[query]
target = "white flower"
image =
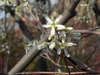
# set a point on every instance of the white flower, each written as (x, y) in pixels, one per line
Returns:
(53, 25)
(42, 46)
(30, 45)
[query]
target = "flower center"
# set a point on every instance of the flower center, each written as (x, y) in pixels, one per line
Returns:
(53, 24)
(63, 45)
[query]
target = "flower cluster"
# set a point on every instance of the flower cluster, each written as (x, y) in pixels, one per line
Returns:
(58, 41)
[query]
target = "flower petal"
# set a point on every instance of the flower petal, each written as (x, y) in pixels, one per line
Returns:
(50, 37)
(41, 46)
(47, 18)
(2, 2)
(52, 45)
(70, 44)
(66, 53)
(69, 28)
(46, 26)
(52, 31)
(82, 5)
(60, 27)
(59, 51)
(58, 18)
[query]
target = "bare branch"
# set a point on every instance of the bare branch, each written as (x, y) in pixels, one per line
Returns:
(86, 32)
(52, 73)
(46, 56)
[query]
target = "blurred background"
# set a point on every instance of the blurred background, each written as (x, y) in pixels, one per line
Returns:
(18, 28)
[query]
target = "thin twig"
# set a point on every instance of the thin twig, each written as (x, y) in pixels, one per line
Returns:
(9, 49)
(86, 54)
(86, 32)
(93, 64)
(52, 73)
(91, 30)
(5, 21)
(47, 57)
(37, 20)
(67, 66)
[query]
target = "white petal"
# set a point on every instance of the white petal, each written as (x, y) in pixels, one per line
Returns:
(63, 41)
(59, 51)
(52, 31)
(66, 53)
(41, 46)
(69, 28)
(50, 37)
(2, 2)
(52, 45)
(48, 19)
(70, 44)
(58, 18)
(82, 4)
(59, 27)
(46, 26)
